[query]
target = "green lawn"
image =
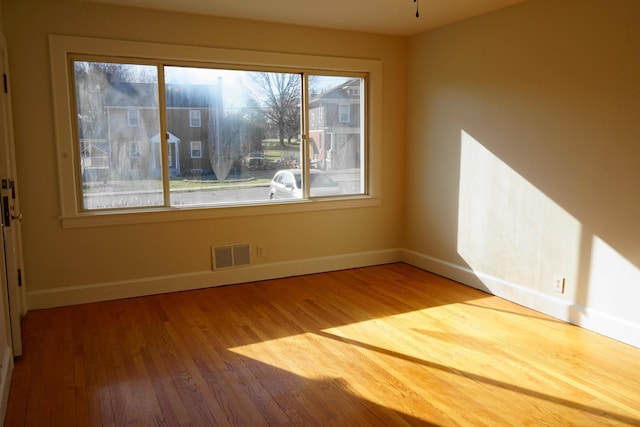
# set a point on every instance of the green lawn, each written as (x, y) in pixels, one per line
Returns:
(275, 154)
(175, 184)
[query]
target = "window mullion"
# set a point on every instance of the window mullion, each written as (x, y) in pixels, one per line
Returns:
(304, 130)
(164, 136)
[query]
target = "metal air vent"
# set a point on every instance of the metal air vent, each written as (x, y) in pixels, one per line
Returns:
(231, 256)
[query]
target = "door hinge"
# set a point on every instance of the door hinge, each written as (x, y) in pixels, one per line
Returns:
(19, 278)
(6, 85)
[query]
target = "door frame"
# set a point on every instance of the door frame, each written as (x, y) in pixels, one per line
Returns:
(13, 263)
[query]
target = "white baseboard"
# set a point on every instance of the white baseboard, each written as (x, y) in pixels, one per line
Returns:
(5, 380)
(64, 296)
(602, 323)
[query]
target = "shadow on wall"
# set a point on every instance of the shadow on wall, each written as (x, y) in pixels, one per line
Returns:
(510, 232)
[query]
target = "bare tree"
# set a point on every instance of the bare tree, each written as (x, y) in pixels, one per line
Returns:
(278, 96)
(257, 126)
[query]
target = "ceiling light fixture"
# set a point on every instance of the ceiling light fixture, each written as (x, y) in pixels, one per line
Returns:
(417, 7)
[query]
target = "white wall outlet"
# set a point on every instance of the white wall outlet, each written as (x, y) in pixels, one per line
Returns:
(558, 283)
(260, 251)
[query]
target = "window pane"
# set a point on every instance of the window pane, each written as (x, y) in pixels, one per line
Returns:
(194, 117)
(336, 134)
(196, 149)
(249, 129)
(117, 110)
(229, 133)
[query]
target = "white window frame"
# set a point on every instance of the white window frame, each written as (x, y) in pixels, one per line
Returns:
(346, 114)
(195, 118)
(133, 118)
(63, 47)
(197, 144)
(134, 149)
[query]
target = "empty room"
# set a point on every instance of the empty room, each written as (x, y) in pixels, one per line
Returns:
(320, 213)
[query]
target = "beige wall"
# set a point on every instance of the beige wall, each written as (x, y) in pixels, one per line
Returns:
(133, 255)
(523, 157)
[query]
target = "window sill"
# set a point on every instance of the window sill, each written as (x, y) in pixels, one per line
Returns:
(140, 216)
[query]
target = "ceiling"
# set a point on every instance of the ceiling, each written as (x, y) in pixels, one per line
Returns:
(393, 17)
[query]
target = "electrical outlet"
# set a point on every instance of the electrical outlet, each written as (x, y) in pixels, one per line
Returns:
(558, 283)
(260, 251)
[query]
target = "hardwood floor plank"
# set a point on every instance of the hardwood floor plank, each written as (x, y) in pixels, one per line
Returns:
(386, 345)
(221, 381)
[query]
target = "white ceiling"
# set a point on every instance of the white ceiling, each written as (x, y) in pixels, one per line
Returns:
(396, 17)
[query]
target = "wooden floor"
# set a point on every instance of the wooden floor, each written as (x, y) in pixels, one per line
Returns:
(387, 345)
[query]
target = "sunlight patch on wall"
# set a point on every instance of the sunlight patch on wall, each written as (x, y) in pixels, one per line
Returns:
(613, 281)
(509, 229)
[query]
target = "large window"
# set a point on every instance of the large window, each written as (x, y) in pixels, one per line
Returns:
(206, 134)
(249, 123)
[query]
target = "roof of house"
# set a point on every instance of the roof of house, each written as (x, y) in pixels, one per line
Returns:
(145, 95)
(132, 95)
(338, 92)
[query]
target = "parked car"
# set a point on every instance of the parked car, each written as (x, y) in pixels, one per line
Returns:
(287, 184)
(254, 161)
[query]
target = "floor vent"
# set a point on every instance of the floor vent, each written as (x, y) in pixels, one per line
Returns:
(231, 256)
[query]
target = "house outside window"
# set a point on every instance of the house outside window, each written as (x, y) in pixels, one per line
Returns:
(194, 119)
(196, 149)
(339, 131)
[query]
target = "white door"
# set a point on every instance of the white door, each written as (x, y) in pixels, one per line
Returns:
(11, 217)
